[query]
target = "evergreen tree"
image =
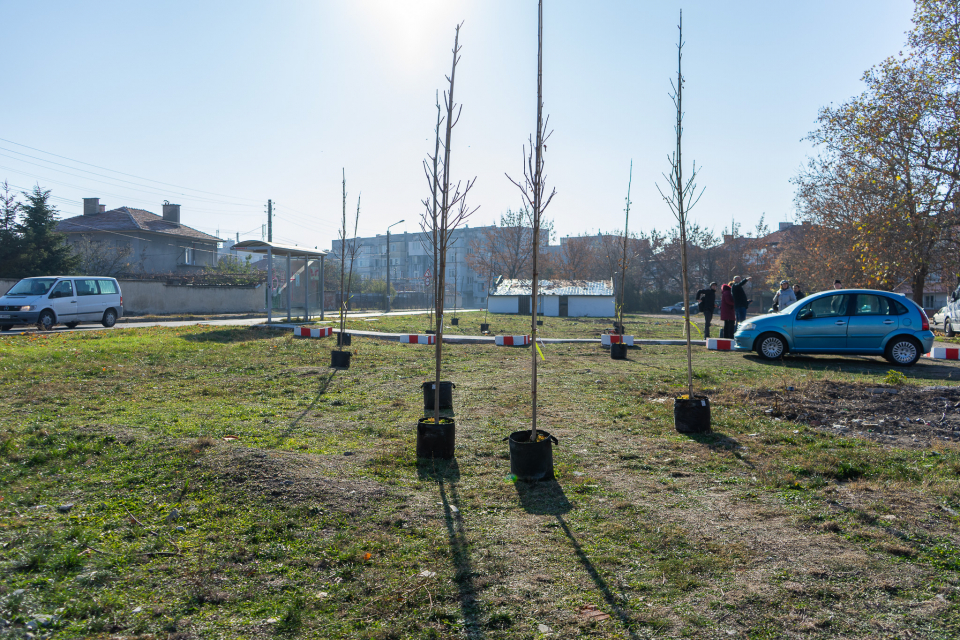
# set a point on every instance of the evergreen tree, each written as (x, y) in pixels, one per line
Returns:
(43, 251)
(9, 238)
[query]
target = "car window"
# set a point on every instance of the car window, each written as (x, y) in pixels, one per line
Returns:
(31, 287)
(871, 305)
(87, 288)
(826, 307)
(64, 289)
(108, 286)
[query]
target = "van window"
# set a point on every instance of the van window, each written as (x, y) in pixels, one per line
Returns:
(64, 289)
(87, 288)
(108, 286)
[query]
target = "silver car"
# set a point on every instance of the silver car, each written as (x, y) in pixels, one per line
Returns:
(846, 321)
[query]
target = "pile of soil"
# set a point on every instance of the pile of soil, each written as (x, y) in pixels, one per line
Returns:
(903, 416)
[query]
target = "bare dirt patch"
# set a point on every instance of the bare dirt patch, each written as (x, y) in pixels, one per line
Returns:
(904, 416)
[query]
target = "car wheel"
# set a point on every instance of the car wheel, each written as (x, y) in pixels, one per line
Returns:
(903, 351)
(71, 325)
(6, 327)
(771, 346)
(109, 318)
(45, 320)
(948, 328)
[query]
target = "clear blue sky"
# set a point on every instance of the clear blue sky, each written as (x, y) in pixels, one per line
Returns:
(257, 100)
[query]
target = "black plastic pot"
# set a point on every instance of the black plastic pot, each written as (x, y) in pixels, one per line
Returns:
(446, 394)
(692, 415)
(430, 332)
(484, 326)
(618, 327)
(539, 322)
(531, 461)
(340, 359)
(343, 339)
(618, 351)
(455, 321)
(436, 441)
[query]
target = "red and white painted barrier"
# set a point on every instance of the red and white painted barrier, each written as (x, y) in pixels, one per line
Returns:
(719, 344)
(307, 332)
(944, 353)
(614, 338)
(418, 339)
(513, 341)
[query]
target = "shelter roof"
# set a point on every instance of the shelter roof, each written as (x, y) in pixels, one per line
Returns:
(261, 246)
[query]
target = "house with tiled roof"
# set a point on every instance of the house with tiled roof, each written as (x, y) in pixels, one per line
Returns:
(573, 298)
(158, 243)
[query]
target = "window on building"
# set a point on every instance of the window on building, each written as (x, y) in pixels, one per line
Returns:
(189, 256)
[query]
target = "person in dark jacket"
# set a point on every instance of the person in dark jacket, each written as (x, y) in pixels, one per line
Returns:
(740, 302)
(798, 292)
(708, 302)
(727, 313)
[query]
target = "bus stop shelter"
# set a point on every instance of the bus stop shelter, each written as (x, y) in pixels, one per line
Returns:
(272, 249)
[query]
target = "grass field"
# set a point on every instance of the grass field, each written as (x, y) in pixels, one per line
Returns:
(225, 483)
(645, 326)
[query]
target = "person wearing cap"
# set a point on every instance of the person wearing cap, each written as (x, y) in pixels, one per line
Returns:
(784, 297)
(708, 302)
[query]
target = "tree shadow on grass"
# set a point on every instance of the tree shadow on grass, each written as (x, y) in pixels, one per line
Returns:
(446, 474)
(542, 498)
(717, 441)
(614, 601)
(324, 384)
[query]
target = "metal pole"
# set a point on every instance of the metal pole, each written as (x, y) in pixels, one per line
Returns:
(322, 291)
(306, 289)
(388, 270)
(269, 283)
(289, 301)
(269, 220)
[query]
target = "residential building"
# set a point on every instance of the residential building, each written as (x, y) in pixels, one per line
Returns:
(558, 298)
(158, 243)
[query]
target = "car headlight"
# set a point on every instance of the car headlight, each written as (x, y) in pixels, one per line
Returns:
(29, 307)
(748, 326)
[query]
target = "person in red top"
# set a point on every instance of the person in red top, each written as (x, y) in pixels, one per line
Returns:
(727, 311)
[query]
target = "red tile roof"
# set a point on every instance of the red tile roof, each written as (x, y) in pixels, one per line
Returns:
(127, 219)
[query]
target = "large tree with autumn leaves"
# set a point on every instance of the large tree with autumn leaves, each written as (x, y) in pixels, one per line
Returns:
(882, 193)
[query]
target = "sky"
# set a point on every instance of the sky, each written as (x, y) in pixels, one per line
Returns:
(221, 105)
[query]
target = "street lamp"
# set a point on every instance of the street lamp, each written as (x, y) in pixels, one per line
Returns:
(388, 263)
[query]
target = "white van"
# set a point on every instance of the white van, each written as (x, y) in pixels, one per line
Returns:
(67, 300)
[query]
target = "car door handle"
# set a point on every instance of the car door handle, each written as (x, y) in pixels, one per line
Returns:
(840, 322)
(73, 302)
(888, 322)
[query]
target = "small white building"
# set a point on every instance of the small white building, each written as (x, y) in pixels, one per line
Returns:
(558, 298)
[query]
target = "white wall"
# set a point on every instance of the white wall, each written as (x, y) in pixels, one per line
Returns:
(591, 306)
(504, 304)
(550, 305)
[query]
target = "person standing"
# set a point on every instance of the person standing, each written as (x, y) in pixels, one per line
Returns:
(784, 297)
(708, 302)
(798, 292)
(727, 313)
(740, 302)
(837, 284)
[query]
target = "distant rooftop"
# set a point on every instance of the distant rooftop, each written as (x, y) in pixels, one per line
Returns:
(555, 288)
(128, 219)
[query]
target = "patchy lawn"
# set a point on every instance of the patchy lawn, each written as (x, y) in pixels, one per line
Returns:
(206, 482)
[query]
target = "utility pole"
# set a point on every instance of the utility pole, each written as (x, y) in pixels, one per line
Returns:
(269, 220)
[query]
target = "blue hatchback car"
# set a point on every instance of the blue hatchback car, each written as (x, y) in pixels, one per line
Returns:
(845, 321)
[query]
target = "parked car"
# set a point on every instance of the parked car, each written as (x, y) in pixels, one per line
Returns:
(939, 319)
(67, 300)
(848, 321)
(674, 308)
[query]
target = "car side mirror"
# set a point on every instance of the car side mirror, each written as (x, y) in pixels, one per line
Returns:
(806, 314)
(55, 294)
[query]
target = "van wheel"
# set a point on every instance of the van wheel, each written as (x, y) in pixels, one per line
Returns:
(109, 318)
(6, 327)
(71, 325)
(948, 328)
(903, 351)
(45, 320)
